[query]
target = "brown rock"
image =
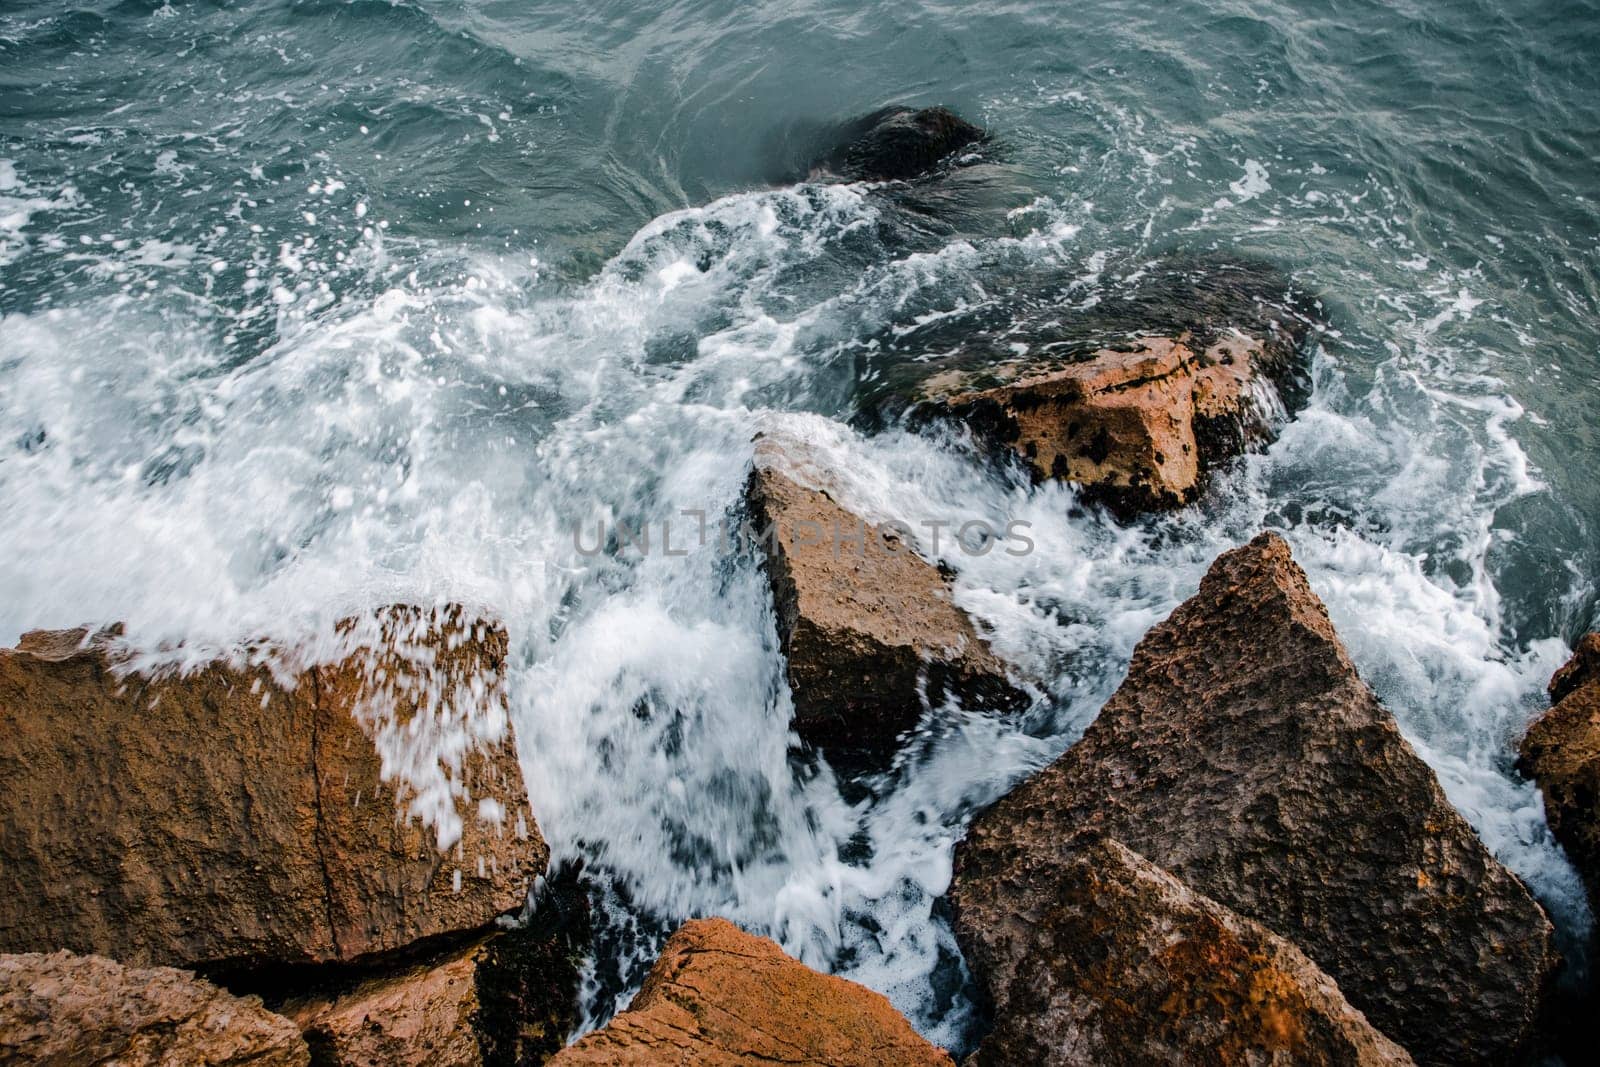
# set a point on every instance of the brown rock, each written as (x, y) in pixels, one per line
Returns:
(223, 819)
(867, 625)
(64, 1010)
(1244, 755)
(1581, 670)
(510, 998)
(421, 1015)
(1140, 426)
(1562, 753)
(719, 996)
(1108, 959)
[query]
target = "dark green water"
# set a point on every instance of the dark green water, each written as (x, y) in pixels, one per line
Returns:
(309, 306)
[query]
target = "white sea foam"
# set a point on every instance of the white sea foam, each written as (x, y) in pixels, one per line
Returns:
(19, 203)
(441, 429)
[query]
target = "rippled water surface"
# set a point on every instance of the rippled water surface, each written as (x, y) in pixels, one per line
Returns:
(309, 307)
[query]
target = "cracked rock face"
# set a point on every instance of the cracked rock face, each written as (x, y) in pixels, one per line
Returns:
(225, 820)
(1245, 756)
(719, 997)
(1108, 959)
(61, 1009)
(1562, 753)
(868, 626)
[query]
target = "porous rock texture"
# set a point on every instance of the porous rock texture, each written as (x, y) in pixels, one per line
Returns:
(1245, 756)
(718, 997)
(1107, 959)
(867, 625)
(1561, 752)
(1139, 390)
(65, 1010)
(898, 143)
(1139, 424)
(229, 818)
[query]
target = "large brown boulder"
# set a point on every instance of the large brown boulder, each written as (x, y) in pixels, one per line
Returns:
(1562, 753)
(1108, 959)
(226, 818)
(719, 997)
(867, 625)
(62, 1010)
(1244, 755)
(1140, 425)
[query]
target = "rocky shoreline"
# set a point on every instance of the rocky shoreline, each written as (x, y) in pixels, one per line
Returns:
(1242, 861)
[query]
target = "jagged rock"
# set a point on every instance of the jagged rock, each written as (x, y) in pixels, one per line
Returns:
(1244, 755)
(1138, 398)
(1139, 426)
(1583, 669)
(867, 625)
(63, 1010)
(511, 998)
(898, 143)
(1108, 959)
(719, 997)
(225, 820)
(1561, 752)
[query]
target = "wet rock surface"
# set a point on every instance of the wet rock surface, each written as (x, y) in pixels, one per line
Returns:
(1245, 756)
(719, 996)
(1139, 427)
(868, 627)
(63, 1009)
(1561, 752)
(897, 144)
(1138, 399)
(226, 820)
(1107, 959)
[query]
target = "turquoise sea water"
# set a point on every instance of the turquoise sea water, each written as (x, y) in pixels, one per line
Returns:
(306, 307)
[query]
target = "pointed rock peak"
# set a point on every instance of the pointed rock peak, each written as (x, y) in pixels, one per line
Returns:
(1581, 670)
(1245, 756)
(1262, 576)
(719, 995)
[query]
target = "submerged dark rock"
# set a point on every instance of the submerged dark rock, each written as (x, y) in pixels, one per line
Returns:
(897, 144)
(1561, 752)
(868, 628)
(1244, 755)
(1105, 958)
